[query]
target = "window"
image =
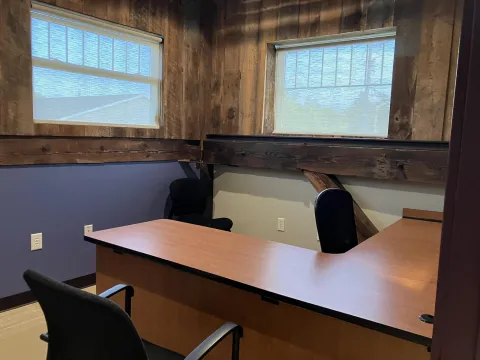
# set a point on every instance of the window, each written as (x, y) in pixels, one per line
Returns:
(337, 86)
(87, 71)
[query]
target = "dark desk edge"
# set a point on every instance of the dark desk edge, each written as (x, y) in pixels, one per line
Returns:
(402, 334)
(334, 141)
(423, 219)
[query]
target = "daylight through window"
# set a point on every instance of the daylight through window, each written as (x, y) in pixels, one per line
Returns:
(89, 71)
(340, 87)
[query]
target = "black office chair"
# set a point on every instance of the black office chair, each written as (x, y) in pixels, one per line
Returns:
(187, 202)
(83, 326)
(335, 221)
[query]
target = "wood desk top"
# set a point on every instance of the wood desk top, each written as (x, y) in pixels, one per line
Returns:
(385, 283)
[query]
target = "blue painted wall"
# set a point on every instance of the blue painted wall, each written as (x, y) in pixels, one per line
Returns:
(59, 200)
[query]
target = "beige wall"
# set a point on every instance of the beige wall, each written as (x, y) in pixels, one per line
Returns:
(254, 199)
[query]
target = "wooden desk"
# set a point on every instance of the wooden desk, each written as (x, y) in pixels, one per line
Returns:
(361, 305)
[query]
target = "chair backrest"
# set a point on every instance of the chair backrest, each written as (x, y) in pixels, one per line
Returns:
(335, 221)
(189, 196)
(84, 326)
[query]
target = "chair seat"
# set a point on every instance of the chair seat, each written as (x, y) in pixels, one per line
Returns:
(220, 223)
(155, 352)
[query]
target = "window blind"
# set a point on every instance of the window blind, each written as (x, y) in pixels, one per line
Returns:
(335, 88)
(89, 71)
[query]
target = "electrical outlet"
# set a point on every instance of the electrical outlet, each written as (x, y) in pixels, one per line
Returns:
(281, 224)
(36, 242)
(87, 229)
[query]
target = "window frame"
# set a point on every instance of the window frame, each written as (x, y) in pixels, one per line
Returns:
(272, 66)
(92, 24)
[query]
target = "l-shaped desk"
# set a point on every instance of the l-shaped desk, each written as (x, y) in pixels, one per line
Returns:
(293, 303)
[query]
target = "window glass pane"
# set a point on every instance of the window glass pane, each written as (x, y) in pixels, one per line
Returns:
(72, 97)
(344, 65)
(303, 63)
(58, 42)
(290, 70)
(388, 59)
(145, 61)
(342, 89)
(75, 46)
(375, 58)
(133, 52)
(92, 72)
(359, 63)
(329, 66)
(91, 49)
(316, 64)
(39, 38)
(120, 55)
(106, 52)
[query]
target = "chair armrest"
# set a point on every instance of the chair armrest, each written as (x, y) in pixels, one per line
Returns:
(129, 292)
(44, 337)
(209, 343)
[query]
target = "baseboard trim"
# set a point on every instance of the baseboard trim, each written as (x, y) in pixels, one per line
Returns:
(27, 297)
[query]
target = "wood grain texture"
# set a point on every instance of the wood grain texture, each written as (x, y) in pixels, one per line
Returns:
(218, 68)
(354, 15)
(378, 162)
(250, 66)
(423, 214)
(423, 61)
(178, 310)
(16, 109)
(433, 69)
(423, 64)
(365, 228)
(187, 66)
(401, 262)
(38, 150)
(269, 103)
(457, 28)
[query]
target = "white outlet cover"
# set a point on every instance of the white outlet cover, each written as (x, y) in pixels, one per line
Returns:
(88, 229)
(281, 224)
(36, 242)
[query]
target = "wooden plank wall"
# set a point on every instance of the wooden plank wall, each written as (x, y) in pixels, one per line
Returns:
(425, 61)
(187, 28)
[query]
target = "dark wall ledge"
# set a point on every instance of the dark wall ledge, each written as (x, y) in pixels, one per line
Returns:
(415, 161)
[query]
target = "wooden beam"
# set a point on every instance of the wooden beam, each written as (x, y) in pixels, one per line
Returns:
(365, 228)
(424, 162)
(53, 150)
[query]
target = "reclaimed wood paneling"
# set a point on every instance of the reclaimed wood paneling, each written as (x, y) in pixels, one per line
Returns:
(187, 65)
(424, 63)
(418, 162)
(365, 228)
(433, 69)
(16, 109)
(354, 15)
(408, 22)
(41, 150)
(447, 126)
(249, 66)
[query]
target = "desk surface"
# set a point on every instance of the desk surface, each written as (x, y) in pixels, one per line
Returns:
(385, 283)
